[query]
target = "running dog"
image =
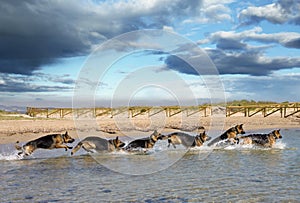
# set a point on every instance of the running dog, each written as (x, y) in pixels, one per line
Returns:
(146, 143)
(265, 140)
(230, 134)
(187, 140)
(99, 144)
(46, 142)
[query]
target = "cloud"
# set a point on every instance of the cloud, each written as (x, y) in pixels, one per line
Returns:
(245, 63)
(283, 11)
(23, 83)
(274, 87)
(234, 53)
(294, 43)
(250, 63)
(21, 87)
(36, 33)
(212, 12)
(237, 40)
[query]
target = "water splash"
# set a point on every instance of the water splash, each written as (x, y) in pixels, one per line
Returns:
(280, 145)
(11, 156)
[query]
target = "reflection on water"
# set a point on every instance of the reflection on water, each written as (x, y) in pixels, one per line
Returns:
(240, 174)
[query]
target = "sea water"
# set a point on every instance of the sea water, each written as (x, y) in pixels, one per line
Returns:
(237, 173)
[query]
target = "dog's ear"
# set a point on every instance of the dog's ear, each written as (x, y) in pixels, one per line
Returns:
(66, 133)
(117, 138)
(278, 130)
(241, 124)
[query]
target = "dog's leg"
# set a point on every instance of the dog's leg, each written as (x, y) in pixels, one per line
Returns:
(237, 140)
(63, 146)
(75, 149)
(87, 149)
(170, 142)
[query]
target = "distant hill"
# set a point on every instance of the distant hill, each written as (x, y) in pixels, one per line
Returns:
(17, 109)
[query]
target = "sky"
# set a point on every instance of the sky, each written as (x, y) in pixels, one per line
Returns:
(148, 52)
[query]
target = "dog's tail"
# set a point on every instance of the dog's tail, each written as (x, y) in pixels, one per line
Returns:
(75, 149)
(17, 146)
(214, 141)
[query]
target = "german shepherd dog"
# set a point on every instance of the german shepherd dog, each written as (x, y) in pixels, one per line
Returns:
(46, 142)
(230, 134)
(99, 144)
(187, 140)
(146, 143)
(265, 140)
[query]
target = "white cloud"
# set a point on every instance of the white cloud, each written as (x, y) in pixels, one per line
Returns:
(212, 11)
(278, 13)
(271, 88)
(2, 82)
(255, 34)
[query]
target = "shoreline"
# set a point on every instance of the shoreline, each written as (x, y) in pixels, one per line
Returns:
(24, 130)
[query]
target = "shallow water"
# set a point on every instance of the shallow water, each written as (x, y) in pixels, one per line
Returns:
(233, 174)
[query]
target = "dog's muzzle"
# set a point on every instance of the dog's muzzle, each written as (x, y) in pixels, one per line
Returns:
(70, 141)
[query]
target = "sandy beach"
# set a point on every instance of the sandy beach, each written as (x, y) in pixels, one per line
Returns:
(25, 129)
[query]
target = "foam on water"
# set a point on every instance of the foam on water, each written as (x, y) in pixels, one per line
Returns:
(10, 156)
(278, 145)
(202, 148)
(8, 153)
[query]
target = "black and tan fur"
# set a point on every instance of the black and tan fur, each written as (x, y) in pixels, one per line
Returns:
(230, 134)
(146, 143)
(265, 140)
(99, 144)
(52, 141)
(187, 140)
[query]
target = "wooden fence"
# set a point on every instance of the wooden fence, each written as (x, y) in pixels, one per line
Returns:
(131, 111)
(283, 110)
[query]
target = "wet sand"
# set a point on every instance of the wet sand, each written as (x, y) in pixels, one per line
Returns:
(29, 128)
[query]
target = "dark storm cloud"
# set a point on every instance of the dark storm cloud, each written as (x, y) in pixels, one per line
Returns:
(295, 43)
(34, 33)
(25, 83)
(253, 63)
(176, 63)
(250, 63)
(234, 53)
(27, 87)
(231, 44)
